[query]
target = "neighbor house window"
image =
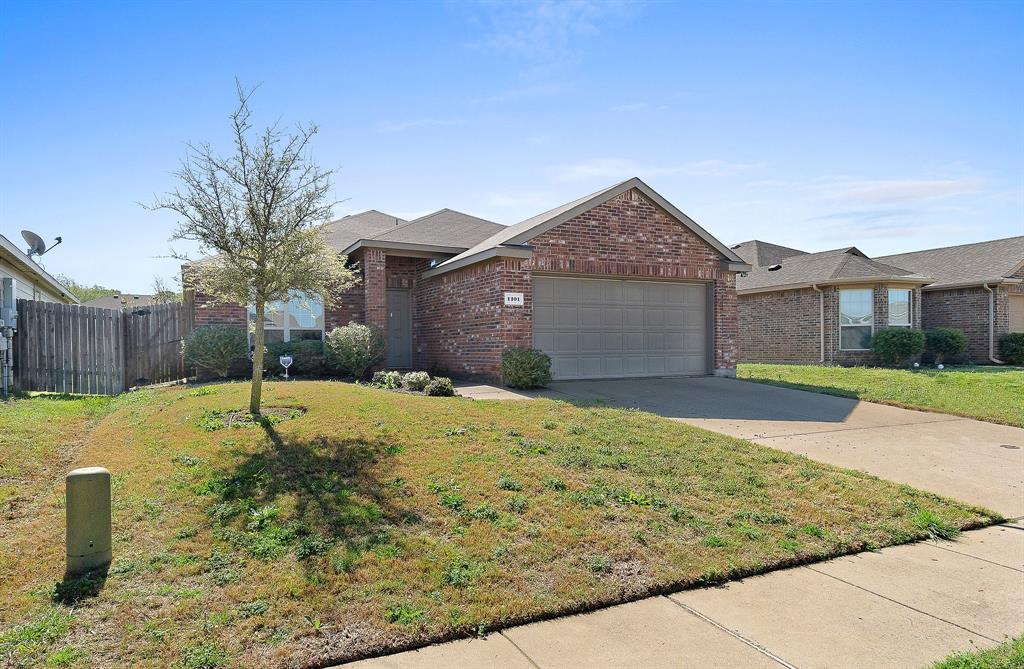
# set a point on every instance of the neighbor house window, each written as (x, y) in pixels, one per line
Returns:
(900, 306)
(301, 317)
(855, 322)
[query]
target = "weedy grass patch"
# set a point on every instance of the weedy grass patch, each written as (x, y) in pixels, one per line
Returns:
(994, 394)
(368, 523)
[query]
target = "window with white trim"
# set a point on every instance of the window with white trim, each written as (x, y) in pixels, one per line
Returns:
(301, 317)
(856, 324)
(901, 305)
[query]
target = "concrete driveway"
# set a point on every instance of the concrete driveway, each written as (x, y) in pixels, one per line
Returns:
(977, 462)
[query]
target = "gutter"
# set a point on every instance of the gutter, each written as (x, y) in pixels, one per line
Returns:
(992, 325)
(821, 320)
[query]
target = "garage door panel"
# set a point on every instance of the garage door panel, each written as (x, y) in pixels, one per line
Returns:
(609, 327)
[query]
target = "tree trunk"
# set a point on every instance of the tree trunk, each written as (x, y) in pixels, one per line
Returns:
(257, 360)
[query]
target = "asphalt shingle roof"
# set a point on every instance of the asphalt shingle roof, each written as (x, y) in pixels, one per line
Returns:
(349, 229)
(758, 253)
(967, 264)
(822, 268)
(446, 227)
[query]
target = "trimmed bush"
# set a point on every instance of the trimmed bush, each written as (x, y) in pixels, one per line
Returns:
(897, 346)
(215, 348)
(416, 381)
(1011, 348)
(387, 380)
(525, 368)
(440, 386)
(945, 343)
(355, 348)
(308, 357)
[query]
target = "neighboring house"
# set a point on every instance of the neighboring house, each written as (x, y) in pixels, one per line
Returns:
(798, 307)
(122, 301)
(619, 283)
(30, 281)
(978, 288)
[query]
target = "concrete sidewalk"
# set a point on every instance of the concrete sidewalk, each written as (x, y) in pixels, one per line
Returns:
(905, 606)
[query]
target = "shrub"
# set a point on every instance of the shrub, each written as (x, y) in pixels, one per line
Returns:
(308, 357)
(387, 380)
(895, 346)
(416, 380)
(525, 368)
(355, 348)
(440, 386)
(945, 343)
(1011, 348)
(215, 348)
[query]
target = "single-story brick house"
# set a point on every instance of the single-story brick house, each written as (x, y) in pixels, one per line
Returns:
(619, 283)
(977, 288)
(801, 307)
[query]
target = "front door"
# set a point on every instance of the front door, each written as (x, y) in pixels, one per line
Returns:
(399, 343)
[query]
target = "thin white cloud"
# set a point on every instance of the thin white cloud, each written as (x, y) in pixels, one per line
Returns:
(624, 168)
(544, 30)
(882, 192)
(416, 124)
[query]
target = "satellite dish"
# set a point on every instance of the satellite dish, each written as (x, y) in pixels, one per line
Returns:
(36, 245)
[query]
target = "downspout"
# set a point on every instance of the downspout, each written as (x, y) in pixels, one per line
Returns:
(821, 320)
(992, 325)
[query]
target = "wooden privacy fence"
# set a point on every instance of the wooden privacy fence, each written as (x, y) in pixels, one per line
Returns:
(71, 349)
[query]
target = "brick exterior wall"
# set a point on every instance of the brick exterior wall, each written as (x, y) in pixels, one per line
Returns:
(780, 327)
(459, 324)
(967, 309)
(784, 326)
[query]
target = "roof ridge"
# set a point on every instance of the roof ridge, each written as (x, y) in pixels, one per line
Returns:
(955, 246)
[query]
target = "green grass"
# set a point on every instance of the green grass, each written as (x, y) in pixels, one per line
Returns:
(1009, 655)
(994, 394)
(372, 521)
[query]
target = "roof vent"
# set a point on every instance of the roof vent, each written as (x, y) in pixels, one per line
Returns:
(774, 268)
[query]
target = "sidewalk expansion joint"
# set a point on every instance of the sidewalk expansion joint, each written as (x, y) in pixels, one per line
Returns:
(521, 651)
(907, 606)
(997, 564)
(734, 634)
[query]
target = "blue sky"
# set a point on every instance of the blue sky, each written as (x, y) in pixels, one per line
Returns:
(889, 126)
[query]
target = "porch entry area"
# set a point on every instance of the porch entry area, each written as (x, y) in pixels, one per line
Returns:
(398, 353)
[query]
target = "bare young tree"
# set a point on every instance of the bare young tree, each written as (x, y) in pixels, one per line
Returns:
(259, 215)
(163, 293)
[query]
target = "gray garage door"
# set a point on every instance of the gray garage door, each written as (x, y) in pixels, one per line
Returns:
(603, 328)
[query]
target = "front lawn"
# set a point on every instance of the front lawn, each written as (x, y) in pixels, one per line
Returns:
(361, 521)
(994, 394)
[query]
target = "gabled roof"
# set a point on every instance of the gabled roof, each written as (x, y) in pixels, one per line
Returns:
(758, 253)
(15, 256)
(846, 265)
(348, 229)
(966, 264)
(519, 234)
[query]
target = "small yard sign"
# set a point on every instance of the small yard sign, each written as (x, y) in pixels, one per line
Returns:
(514, 300)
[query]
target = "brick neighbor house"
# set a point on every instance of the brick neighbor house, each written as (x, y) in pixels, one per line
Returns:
(801, 307)
(619, 283)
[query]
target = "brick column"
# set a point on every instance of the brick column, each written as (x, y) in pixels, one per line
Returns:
(726, 324)
(375, 287)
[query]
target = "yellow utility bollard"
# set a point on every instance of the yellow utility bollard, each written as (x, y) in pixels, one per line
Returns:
(88, 520)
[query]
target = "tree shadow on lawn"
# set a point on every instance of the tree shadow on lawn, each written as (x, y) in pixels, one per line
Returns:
(336, 495)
